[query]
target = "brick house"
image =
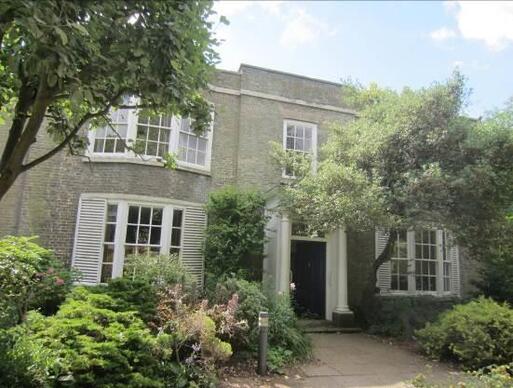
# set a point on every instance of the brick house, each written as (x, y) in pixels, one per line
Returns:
(93, 211)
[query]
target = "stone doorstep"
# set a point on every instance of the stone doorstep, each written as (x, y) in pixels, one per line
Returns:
(311, 326)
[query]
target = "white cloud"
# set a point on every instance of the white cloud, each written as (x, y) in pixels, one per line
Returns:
(230, 8)
(303, 28)
(488, 21)
(442, 34)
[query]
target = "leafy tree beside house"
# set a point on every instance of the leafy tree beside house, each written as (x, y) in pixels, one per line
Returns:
(65, 64)
(410, 159)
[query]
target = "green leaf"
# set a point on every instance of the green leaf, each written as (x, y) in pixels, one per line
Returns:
(62, 35)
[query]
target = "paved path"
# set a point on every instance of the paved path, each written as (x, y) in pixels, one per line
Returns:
(359, 360)
(355, 360)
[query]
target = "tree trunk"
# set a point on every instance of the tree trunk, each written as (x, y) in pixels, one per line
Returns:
(370, 290)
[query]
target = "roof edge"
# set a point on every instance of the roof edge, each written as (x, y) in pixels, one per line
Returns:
(242, 65)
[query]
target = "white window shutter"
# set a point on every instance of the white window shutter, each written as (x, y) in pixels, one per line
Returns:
(454, 257)
(384, 275)
(195, 222)
(88, 244)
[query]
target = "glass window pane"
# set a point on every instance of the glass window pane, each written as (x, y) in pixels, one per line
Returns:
(155, 120)
(202, 145)
(163, 150)
(299, 131)
(201, 158)
(109, 145)
(164, 136)
(130, 250)
(182, 141)
(290, 130)
(141, 132)
(308, 133)
(403, 266)
(418, 283)
(290, 143)
(112, 211)
(425, 251)
(432, 284)
(153, 134)
(133, 215)
(166, 121)
(177, 218)
(145, 215)
(185, 125)
(432, 268)
(131, 233)
(157, 216)
(108, 253)
(155, 235)
(122, 130)
(193, 142)
(106, 273)
(174, 251)
(395, 284)
(299, 145)
(110, 231)
(98, 145)
(403, 283)
(151, 149)
(175, 237)
(418, 251)
(143, 237)
(120, 147)
(191, 157)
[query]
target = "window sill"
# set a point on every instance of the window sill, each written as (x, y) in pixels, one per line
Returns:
(150, 162)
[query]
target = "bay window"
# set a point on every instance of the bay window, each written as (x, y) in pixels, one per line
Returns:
(421, 262)
(149, 138)
(143, 229)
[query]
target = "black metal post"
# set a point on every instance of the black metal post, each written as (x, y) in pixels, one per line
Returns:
(263, 326)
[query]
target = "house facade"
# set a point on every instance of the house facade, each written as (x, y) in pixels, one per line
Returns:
(94, 211)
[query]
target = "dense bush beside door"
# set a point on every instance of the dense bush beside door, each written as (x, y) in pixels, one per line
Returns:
(287, 343)
(30, 278)
(235, 233)
(476, 334)
(400, 316)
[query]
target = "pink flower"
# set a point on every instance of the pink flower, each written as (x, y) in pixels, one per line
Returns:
(59, 281)
(50, 270)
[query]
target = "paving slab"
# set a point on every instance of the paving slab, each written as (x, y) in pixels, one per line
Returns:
(357, 361)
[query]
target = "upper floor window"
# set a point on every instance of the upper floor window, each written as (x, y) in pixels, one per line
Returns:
(299, 137)
(133, 134)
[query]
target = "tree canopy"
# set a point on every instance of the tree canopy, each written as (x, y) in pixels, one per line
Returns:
(411, 159)
(66, 63)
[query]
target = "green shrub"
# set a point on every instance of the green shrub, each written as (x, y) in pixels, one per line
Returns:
(476, 334)
(400, 316)
(30, 278)
(284, 331)
(251, 302)
(88, 343)
(235, 236)
(286, 341)
(159, 270)
(491, 377)
(131, 295)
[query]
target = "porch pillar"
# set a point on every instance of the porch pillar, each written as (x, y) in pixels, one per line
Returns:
(284, 259)
(342, 315)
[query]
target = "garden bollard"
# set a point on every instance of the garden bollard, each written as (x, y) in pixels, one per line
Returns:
(263, 326)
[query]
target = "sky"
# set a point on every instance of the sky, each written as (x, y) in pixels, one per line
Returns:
(394, 44)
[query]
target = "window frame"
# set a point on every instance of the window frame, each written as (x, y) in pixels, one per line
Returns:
(131, 138)
(442, 253)
(313, 153)
(121, 231)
